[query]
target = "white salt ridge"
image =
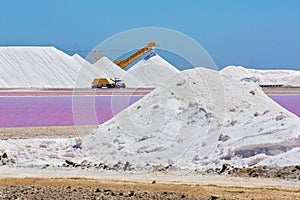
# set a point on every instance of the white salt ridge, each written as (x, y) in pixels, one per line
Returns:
(262, 77)
(40, 67)
(111, 70)
(199, 120)
(153, 72)
(86, 65)
(108, 67)
(294, 82)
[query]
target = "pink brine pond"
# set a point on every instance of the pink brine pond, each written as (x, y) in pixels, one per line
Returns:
(28, 111)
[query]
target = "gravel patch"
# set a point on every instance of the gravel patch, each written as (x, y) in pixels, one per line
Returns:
(35, 192)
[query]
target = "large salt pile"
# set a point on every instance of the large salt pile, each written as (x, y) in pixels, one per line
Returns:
(40, 67)
(153, 70)
(262, 77)
(189, 124)
(114, 71)
(198, 120)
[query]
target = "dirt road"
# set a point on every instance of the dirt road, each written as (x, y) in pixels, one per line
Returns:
(91, 184)
(67, 188)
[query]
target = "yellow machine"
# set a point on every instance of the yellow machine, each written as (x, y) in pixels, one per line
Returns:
(140, 53)
(108, 83)
(117, 83)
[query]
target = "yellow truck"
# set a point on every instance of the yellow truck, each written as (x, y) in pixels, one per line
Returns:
(108, 83)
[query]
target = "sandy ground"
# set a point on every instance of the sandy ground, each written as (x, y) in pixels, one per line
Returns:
(164, 186)
(181, 191)
(45, 132)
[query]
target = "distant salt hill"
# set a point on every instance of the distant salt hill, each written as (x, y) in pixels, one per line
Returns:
(294, 82)
(262, 77)
(42, 67)
(86, 65)
(109, 68)
(152, 71)
(48, 67)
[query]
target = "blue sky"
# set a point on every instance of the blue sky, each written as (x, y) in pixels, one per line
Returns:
(254, 33)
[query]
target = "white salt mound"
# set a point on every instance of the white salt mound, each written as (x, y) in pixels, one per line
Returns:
(200, 120)
(294, 82)
(154, 71)
(88, 66)
(262, 77)
(40, 67)
(111, 70)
